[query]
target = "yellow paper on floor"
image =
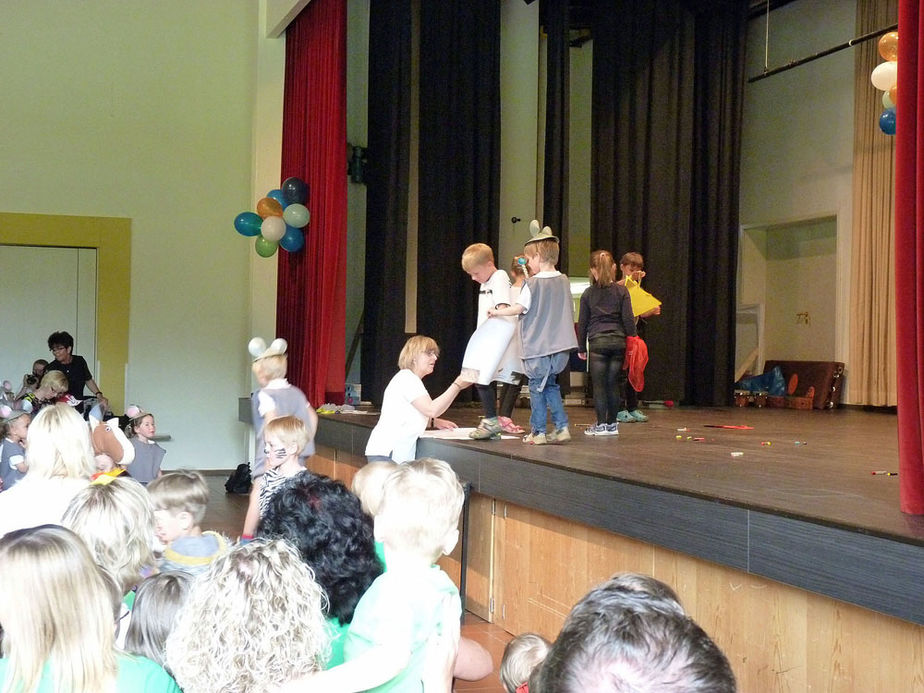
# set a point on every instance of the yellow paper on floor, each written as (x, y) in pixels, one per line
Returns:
(642, 301)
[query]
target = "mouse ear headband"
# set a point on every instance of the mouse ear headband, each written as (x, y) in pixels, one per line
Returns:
(540, 234)
(258, 349)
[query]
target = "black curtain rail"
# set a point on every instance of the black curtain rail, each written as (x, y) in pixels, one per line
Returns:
(834, 49)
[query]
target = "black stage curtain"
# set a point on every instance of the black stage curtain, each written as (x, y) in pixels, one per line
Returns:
(387, 192)
(667, 91)
(555, 19)
(713, 262)
(459, 155)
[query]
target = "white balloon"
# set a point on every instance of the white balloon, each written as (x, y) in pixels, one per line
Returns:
(885, 75)
(273, 228)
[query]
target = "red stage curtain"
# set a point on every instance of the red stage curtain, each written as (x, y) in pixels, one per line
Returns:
(909, 258)
(311, 291)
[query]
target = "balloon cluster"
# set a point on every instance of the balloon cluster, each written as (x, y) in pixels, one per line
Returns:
(885, 79)
(279, 219)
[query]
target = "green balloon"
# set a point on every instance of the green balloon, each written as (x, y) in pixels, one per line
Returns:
(265, 248)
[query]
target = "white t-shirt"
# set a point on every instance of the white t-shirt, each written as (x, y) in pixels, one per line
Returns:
(494, 292)
(400, 423)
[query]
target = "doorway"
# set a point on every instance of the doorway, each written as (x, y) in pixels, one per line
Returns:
(787, 288)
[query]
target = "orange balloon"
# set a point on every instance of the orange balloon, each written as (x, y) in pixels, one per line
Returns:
(888, 46)
(268, 207)
(893, 94)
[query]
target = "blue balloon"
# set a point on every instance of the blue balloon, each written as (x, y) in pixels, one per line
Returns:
(293, 240)
(248, 223)
(277, 195)
(887, 121)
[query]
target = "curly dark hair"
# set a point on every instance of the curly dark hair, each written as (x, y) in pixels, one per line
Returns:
(326, 523)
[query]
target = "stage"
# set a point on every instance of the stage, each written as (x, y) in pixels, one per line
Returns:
(799, 504)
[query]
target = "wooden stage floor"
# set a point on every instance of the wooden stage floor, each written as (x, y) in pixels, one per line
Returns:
(813, 465)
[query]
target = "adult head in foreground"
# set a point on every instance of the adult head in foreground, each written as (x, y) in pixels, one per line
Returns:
(624, 639)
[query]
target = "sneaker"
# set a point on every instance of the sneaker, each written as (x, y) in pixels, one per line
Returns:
(595, 430)
(638, 416)
(490, 429)
(535, 439)
(612, 429)
(625, 417)
(509, 426)
(562, 435)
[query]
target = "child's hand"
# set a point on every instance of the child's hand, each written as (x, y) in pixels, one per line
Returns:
(582, 355)
(444, 424)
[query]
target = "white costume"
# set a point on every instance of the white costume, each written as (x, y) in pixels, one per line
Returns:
(487, 345)
(401, 423)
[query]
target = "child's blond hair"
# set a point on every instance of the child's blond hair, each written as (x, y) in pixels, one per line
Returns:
(115, 519)
(290, 430)
(369, 484)
(547, 249)
(271, 367)
(476, 255)
(602, 262)
(521, 655)
(181, 491)
(421, 503)
(517, 269)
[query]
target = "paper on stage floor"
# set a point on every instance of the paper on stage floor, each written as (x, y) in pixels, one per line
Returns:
(487, 346)
(454, 434)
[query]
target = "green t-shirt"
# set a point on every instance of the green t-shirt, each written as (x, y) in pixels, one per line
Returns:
(403, 607)
(337, 632)
(135, 675)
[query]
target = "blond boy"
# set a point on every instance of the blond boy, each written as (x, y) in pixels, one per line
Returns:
(414, 601)
(493, 292)
(180, 499)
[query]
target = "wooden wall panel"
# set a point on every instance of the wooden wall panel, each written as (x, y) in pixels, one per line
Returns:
(777, 637)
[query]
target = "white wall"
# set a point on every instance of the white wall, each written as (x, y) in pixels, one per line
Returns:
(797, 140)
(146, 110)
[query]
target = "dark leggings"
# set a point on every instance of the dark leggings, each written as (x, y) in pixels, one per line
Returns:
(488, 395)
(508, 396)
(604, 360)
(631, 397)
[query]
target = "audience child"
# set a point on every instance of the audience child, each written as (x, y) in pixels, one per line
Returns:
(473, 662)
(52, 386)
(285, 438)
(631, 634)
(418, 519)
(482, 360)
(632, 264)
(605, 320)
(369, 484)
(56, 611)
(60, 462)
(546, 328)
(158, 600)
(14, 426)
(115, 519)
(510, 373)
(407, 408)
(521, 656)
(326, 524)
(180, 500)
(252, 622)
(31, 380)
(148, 455)
(275, 397)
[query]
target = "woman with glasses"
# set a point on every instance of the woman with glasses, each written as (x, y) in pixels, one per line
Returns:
(406, 406)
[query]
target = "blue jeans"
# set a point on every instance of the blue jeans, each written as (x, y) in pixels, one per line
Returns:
(544, 393)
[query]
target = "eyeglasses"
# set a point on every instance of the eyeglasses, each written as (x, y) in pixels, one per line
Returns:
(56, 349)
